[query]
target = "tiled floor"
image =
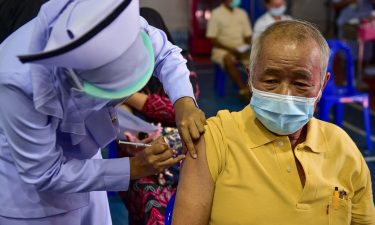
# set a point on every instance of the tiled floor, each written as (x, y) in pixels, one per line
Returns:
(210, 104)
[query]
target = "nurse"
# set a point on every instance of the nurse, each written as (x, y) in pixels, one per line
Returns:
(61, 76)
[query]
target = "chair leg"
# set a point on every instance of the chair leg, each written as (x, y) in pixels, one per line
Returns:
(367, 120)
(339, 117)
(220, 81)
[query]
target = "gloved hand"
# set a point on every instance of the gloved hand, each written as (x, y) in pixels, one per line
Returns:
(153, 159)
(190, 122)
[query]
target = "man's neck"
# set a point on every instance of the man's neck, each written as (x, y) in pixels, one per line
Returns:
(298, 137)
(228, 7)
(276, 18)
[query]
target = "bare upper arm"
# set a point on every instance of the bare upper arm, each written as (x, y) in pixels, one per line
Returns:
(195, 190)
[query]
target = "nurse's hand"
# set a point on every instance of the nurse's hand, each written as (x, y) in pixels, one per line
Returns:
(153, 159)
(190, 122)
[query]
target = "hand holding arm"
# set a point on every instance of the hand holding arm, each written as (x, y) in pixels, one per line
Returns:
(190, 121)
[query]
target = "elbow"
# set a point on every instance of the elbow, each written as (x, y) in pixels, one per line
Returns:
(41, 184)
(41, 181)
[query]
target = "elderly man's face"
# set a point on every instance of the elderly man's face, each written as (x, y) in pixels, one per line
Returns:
(289, 68)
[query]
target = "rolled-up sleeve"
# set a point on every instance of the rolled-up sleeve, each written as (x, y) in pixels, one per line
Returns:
(31, 140)
(170, 66)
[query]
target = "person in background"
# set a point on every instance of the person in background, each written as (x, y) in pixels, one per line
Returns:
(351, 9)
(275, 12)
(350, 14)
(229, 29)
(272, 162)
(61, 78)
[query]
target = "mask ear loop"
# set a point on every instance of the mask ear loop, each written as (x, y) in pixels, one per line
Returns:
(76, 82)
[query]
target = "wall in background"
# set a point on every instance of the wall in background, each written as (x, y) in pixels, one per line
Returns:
(176, 14)
(313, 11)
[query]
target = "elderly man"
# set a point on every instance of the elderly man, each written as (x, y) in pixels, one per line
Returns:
(229, 30)
(272, 163)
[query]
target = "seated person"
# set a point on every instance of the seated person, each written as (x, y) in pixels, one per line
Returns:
(272, 163)
(230, 32)
(350, 12)
(275, 12)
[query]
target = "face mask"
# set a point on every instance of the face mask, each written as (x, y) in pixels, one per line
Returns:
(235, 3)
(278, 11)
(282, 114)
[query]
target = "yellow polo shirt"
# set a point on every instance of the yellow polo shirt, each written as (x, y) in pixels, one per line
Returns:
(257, 182)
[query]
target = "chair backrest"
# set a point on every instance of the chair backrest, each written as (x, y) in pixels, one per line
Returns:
(169, 211)
(338, 46)
(154, 18)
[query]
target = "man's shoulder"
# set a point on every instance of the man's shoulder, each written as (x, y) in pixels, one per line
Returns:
(217, 12)
(327, 127)
(225, 119)
(334, 136)
(264, 19)
(241, 11)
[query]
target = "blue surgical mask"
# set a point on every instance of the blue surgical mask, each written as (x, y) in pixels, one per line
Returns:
(279, 11)
(282, 114)
(235, 3)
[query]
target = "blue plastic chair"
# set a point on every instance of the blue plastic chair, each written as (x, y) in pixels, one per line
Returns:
(337, 96)
(169, 211)
(220, 77)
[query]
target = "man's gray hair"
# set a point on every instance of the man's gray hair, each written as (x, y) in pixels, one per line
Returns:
(295, 31)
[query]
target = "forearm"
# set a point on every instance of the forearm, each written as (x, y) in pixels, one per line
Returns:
(84, 175)
(137, 100)
(216, 43)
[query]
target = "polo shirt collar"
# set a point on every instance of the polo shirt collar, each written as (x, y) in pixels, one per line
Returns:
(222, 5)
(316, 140)
(258, 135)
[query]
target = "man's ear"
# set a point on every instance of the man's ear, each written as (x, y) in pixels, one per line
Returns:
(326, 79)
(248, 72)
(248, 79)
